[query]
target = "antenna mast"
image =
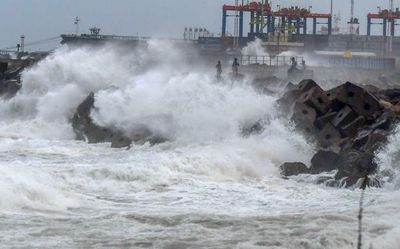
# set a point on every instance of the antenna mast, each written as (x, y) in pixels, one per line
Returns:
(236, 27)
(353, 20)
(391, 23)
(352, 17)
(77, 20)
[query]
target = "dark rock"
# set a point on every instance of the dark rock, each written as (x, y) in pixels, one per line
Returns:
(324, 120)
(384, 121)
(288, 99)
(10, 75)
(86, 129)
(294, 168)
(351, 129)
(376, 140)
(371, 89)
(8, 88)
(362, 138)
(361, 101)
(392, 93)
(329, 137)
(336, 105)
(304, 117)
(3, 67)
(306, 85)
(140, 134)
(347, 122)
(81, 118)
(324, 161)
(355, 165)
(344, 117)
(120, 141)
(290, 86)
(317, 99)
(293, 93)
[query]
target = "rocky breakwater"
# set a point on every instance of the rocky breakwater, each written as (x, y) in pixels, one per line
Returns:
(348, 124)
(10, 79)
(10, 73)
(86, 129)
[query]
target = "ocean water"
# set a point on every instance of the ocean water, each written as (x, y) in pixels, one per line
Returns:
(208, 187)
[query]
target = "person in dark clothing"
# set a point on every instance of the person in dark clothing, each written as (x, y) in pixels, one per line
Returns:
(235, 66)
(303, 64)
(293, 67)
(219, 69)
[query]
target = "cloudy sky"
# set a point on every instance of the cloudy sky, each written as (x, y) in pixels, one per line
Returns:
(41, 19)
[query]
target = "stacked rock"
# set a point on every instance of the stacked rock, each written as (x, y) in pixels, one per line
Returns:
(348, 124)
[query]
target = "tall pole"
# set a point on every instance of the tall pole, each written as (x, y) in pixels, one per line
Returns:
(352, 17)
(280, 29)
(331, 7)
(391, 25)
(262, 17)
(236, 26)
(77, 20)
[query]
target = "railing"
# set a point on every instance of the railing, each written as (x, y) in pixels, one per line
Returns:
(268, 60)
(271, 61)
(122, 38)
(6, 52)
(374, 63)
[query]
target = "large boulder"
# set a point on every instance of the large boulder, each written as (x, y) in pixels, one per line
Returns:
(361, 101)
(86, 129)
(355, 165)
(8, 88)
(324, 160)
(293, 168)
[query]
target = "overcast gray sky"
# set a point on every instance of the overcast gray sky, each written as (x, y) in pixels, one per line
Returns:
(39, 19)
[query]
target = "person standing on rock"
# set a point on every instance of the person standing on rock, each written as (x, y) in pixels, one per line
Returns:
(293, 68)
(219, 69)
(235, 67)
(303, 64)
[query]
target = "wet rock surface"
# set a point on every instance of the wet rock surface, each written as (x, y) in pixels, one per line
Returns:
(349, 124)
(10, 74)
(86, 129)
(10, 79)
(294, 168)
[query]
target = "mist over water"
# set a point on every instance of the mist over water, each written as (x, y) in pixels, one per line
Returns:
(208, 186)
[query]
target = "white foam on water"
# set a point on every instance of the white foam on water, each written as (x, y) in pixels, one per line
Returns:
(255, 47)
(207, 182)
